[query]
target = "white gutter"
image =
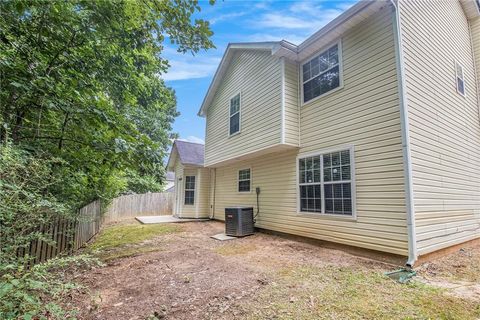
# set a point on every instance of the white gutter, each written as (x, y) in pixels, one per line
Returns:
(407, 159)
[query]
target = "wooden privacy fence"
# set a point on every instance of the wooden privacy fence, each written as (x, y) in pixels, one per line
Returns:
(68, 235)
(65, 235)
(147, 204)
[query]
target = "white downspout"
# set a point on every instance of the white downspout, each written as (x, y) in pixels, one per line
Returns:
(407, 159)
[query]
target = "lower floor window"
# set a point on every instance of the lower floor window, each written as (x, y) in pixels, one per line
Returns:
(325, 183)
(189, 189)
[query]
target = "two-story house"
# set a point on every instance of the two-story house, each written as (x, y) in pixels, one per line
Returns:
(366, 134)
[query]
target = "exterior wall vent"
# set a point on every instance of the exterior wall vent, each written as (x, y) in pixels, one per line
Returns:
(239, 221)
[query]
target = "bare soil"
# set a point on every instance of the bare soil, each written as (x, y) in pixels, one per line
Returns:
(192, 276)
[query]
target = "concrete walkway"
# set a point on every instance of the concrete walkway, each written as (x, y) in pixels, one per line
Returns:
(164, 219)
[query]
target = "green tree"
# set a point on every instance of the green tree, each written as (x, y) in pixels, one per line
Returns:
(81, 81)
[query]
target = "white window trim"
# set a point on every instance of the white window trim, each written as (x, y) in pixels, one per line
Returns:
(194, 190)
(322, 214)
(340, 71)
(239, 112)
(464, 94)
(238, 180)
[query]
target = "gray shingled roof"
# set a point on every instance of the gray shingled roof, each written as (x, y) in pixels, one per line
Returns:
(190, 152)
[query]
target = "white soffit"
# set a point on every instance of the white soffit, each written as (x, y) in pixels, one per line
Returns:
(471, 8)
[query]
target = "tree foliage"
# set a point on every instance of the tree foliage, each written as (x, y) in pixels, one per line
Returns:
(84, 114)
(81, 81)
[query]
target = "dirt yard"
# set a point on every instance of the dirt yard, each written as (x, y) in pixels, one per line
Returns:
(178, 272)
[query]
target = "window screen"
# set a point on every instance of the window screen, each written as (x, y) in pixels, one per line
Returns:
(235, 114)
(325, 183)
(189, 189)
(321, 74)
(244, 180)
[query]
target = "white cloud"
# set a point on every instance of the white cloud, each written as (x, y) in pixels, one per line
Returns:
(187, 66)
(227, 16)
(193, 139)
(303, 17)
(291, 37)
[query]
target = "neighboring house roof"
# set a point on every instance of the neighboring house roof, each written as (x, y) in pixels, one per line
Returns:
(361, 11)
(189, 153)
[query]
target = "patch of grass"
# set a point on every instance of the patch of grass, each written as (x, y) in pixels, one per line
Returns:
(346, 293)
(122, 240)
(234, 249)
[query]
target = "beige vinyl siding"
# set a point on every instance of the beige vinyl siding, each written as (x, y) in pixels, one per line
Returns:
(203, 193)
(444, 126)
(275, 175)
(292, 133)
(364, 113)
(189, 211)
(256, 74)
(475, 33)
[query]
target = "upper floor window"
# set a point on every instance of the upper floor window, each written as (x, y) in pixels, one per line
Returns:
(235, 114)
(321, 74)
(190, 190)
(244, 180)
(325, 183)
(459, 79)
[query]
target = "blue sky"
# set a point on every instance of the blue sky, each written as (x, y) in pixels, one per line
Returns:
(238, 21)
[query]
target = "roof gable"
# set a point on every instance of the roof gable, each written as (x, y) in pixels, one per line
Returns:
(360, 12)
(188, 153)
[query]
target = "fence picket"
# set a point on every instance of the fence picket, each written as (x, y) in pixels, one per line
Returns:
(71, 235)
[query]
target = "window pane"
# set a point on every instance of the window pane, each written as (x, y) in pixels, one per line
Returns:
(336, 158)
(328, 191)
(189, 197)
(235, 123)
(336, 174)
(244, 174)
(302, 176)
(338, 206)
(327, 174)
(338, 198)
(328, 206)
(333, 55)
(303, 205)
(303, 191)
(345, 172)
(316, 175)
(301, 164)
(310, 198)
(314, 67)
(306, 71)
(345, 155)
(244, 186)
(235, 104)
(316, 162)
(460, 86)
(324, 63)
(336, 168)
(337, 190)
(190, 182)
(346, 190)
(310, 192)
(309, 176)
(321, 74)
(347, 206)
(327, 160)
